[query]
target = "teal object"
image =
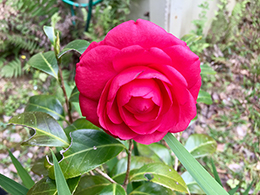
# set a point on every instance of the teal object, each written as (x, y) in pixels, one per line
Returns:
(90, 4)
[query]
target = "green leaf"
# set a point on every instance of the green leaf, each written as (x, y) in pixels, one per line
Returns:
(48, 132)
(45, 62)
(74, 97)
(157, 152)
(248, 188)
(204, 97)
(150, 188)
(113, 189)
(77, 45)
(61, 183)
(47, 186)
(161, 174)
(207, 70)
(91, 185)
(11, 186)
(200, 145)
(208, 184)
(215, 173)
(49, 31)
(25, 177)
(194, 188)
(80, 123)
(39, 167)
(118, 172)
(88, 150)
(46, 103)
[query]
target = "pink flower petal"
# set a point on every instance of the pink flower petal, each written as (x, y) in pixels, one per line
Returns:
(146, 88)
(113, 113)
(139, 105)
(146, 127)
(150, 138)
(137, 56)
(186, 62)
(94, 70)
(88, 108)
(128, 117)
(91, 46)
(143, 33)
(150, 116)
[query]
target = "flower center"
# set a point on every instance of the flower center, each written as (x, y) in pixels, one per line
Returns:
(139, 105)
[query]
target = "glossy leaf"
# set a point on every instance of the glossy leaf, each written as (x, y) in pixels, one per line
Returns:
(46, 103)
(204, 97)
(45, 62)
(48, 132)
(208, 184)
(207, 70)
(61, 184)
(11, 186)
(91, 185)
(118, 173)
(47, 186)
(80, 123)
(77, 45)
(89, 149)
(161, 174)
(200, 145)
(74, 97)
(150, 188)
(24, 175)
(49, 31)
(157, 152)
(113, 189)
(194, 188)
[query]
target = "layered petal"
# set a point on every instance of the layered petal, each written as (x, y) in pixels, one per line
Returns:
(141, 32)
(88, 109)
(94, 70)
(188, 64)
(135, 55)
(139, 83)
(150, 138)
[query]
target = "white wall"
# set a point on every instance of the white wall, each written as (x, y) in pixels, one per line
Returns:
(175, 16)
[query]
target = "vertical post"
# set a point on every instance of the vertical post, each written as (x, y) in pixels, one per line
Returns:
(90, 4)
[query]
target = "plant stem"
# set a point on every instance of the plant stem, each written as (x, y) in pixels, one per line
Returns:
(56, 51)
(68, 105)
(104, 175)
(128, 164)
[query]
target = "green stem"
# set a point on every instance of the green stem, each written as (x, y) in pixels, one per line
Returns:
(128, 164)
(68, 105)
(208, 184)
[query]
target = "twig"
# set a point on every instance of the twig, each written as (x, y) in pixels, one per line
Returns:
(104, 175)
(65, 95)
(56, 51)
(128, 164)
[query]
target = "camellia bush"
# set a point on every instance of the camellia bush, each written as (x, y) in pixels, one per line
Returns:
(135, 88)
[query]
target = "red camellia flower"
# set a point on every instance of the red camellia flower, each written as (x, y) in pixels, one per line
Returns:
(139, 83)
